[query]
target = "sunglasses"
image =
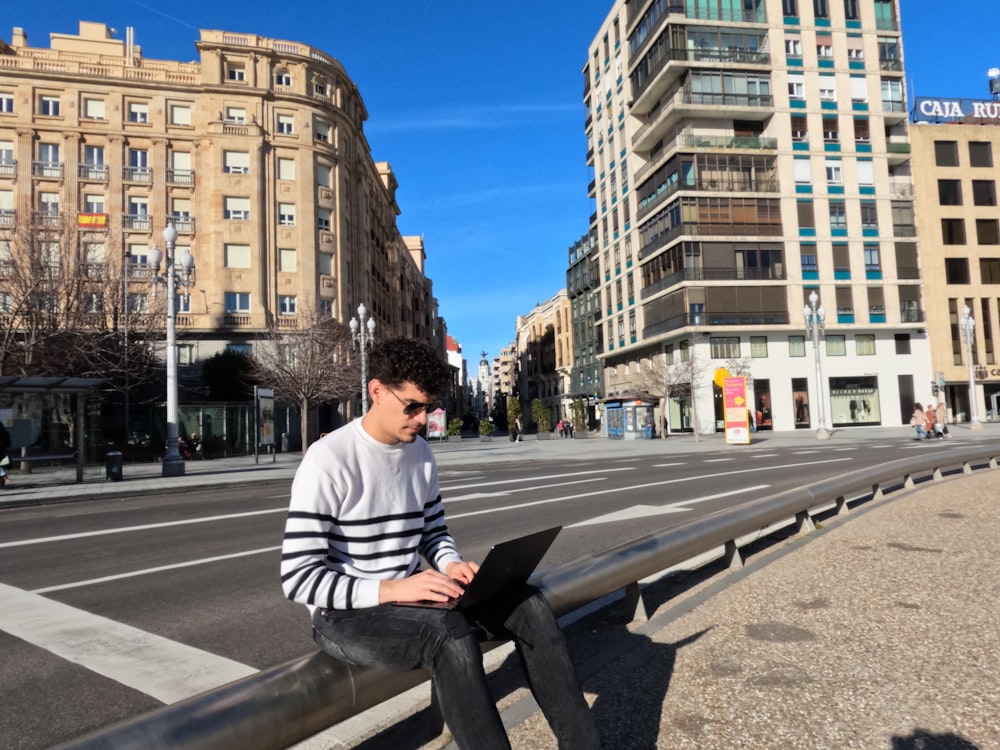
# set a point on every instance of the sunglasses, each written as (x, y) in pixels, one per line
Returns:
(411, 408)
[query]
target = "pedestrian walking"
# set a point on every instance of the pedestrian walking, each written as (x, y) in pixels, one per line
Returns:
(917, 421)
(941, 421)
(4, 458)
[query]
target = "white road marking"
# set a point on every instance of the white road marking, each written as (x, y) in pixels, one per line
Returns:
(643, 511)
(660, 466)
(158, 569)
(144, 527)
(158, 667)
(546, 477)
(677, 480)
(716, 460)
(503, 493)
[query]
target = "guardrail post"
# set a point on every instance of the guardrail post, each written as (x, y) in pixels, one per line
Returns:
(635, 607)
(842, 508)
(908, 481)
(734, 560)
(937, 473)
(993, 462)
(966, 467)
(804, 523)
(877, 492)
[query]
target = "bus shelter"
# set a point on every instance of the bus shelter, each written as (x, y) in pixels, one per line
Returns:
(47, 418)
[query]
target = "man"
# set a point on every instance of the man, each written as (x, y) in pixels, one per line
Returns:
(365, 506)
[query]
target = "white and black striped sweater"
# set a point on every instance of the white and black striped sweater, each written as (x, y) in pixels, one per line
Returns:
(361, 511)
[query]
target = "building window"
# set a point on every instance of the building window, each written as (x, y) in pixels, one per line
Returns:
(807, 215)
(138, 112)
(283, 78)
(989, 270)
(793, 45)
(286, 169)
(950, 192)
(668, 354)
(802, 170)
(981, 154)
(987, 232)
(321, 132)
(93, 109)
(758, 347)
(902, 343)
(286, 305)
(800, 130)
(6, 103)
(790, 7)
(235, 162)
(851, 10)
(946, 153)
(286, 214)
(827, 89)
(821, 9)
(872, 260)
(869, 215)
(831, 130)
(236, 115)
(237, 302)
(323, 219)
(953, 231)
(838, 216)
(824, 47)
(237, 209)
(180, 114)
(286, 124)
(236, 256)
(685, 350)
(862, 131)
(796, 346)
(956, 270)
(287, 260)
(836, 345)
(49, 105)
(796, 86)
(808, 260)
(236, 72)
(892, 95)
(864, 344)
(725, 347)
(834, 173)
(984, 193)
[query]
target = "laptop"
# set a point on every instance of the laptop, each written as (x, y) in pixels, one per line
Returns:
(507, 565)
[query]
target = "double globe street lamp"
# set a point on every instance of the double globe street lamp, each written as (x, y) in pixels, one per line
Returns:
(815, 315)
(364, 336)
(171, 278)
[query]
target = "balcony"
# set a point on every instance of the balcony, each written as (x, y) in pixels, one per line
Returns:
(741, 142)
(8, 168)
(287, 322)
(709, 229)
(894, 111)
(180, 176)
(734, 183)
(49, 170)
(142, 175)
(673, 63)
(688, 104)
(137, 222)
(183, 224)
(236, 320)
(7, 217)
(890, 65)
(50, 219)
(93, 172)
(904, 230)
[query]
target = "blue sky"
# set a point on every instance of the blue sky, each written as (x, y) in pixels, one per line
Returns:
(478, 108)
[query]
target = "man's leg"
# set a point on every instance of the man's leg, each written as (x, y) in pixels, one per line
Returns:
(403, 638)
(547, 665)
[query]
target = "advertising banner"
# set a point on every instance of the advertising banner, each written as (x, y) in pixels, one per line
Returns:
(736, 411)
(437, 424)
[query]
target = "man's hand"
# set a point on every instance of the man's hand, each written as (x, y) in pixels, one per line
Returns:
(425, 586)
(463, 572)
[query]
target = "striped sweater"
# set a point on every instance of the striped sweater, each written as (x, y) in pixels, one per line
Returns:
(361, 511)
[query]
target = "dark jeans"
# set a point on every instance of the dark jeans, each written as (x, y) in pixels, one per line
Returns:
(447, 643)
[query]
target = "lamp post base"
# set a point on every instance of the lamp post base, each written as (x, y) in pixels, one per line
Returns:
(823, 434)
(173, 466)
(975, 425)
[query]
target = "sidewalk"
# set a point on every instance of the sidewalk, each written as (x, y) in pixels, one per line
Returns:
(878, 630)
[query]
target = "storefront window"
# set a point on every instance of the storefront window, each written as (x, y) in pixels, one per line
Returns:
(854, 401)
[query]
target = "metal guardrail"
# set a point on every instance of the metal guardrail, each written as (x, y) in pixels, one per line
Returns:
(289, 703)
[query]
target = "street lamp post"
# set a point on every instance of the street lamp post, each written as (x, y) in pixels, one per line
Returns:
(364, 336)
(968, 326)
(815, 314)
(171, 278)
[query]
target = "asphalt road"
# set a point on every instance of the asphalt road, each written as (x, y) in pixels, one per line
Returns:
(123, 605)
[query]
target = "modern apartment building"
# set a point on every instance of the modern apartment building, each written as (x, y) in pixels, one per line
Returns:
(255, 152)
(748, 154)
(956, 144)
(583, 290)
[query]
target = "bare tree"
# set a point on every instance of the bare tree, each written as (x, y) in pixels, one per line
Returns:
(684, 378)
(307, 365)
(62, 305)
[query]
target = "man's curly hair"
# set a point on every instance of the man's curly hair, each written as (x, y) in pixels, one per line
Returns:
(401, 360)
